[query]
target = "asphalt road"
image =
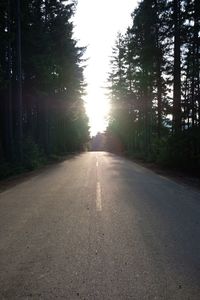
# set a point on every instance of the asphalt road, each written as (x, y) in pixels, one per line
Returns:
(98, 226)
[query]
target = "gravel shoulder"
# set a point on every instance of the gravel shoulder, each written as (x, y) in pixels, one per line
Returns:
(184, 178)
(14, 180)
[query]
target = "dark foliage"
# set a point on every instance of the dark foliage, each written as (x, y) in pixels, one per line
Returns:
(155, 84)
(41, 83)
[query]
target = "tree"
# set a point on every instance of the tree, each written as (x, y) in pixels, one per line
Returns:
(161, 79)
(40, 57)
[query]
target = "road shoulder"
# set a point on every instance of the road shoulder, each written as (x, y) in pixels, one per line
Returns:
(184, 178)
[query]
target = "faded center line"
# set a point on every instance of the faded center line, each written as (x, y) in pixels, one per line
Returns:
(98, 197)
(98, 190)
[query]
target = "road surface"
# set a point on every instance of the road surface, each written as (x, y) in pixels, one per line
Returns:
(98, 226)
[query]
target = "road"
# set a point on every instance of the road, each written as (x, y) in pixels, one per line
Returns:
(98, 226)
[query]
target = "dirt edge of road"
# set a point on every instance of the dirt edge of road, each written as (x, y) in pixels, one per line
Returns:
(176, 175)
(26, 175)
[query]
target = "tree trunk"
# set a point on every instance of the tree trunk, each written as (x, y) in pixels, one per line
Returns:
(177, 69)
(197, 56)
(19, 84)
(9, 112)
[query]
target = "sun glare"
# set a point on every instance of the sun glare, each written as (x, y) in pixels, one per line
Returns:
(97, 108)
(99, 37)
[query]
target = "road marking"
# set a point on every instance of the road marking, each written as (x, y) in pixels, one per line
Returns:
(98, 189)
(98, 197)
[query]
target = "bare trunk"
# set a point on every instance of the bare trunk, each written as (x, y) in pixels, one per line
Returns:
(177, 70)
(19, 83)
(10, 111)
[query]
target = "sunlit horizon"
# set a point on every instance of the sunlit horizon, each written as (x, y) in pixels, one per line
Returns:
(97, 108)
(96, 26)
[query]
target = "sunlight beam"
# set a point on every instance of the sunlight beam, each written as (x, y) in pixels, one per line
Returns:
(97, 23)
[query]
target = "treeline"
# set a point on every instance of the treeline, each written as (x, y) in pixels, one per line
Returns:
(41, 83)
(155, 83)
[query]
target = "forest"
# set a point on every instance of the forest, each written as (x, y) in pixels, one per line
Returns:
(154, 85)
(42, 112)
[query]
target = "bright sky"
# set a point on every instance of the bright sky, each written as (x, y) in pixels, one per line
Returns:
(96, 25)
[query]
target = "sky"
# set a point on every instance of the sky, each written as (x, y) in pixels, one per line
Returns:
(97, 23)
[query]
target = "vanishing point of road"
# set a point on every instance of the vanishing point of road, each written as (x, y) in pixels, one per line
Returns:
(98, 226)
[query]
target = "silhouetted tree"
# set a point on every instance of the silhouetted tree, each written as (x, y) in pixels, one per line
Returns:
(41, 81)
(160, 83)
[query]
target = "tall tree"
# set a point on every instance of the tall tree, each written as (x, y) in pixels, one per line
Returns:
(161, 68)
(19, 104)
(40, 56)
(177, 66)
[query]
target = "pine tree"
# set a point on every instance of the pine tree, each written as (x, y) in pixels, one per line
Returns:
(41, 81)
(161, 68)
